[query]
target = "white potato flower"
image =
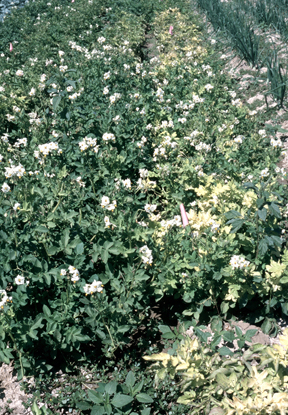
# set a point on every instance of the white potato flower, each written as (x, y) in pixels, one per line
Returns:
(105, 201)
(107, 222)
(5, 188)
(150, 208)
(19, 280)
(238, 262)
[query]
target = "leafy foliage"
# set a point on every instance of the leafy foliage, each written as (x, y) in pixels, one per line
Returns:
(101, 141)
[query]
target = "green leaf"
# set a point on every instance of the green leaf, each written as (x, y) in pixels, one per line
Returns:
(274, 210)
(266, 326)
(250, 333)
(71, 82)
(216, 340)
(146, 411)
(236, 224)
(111, 387)
(65, 237)
(95, 397)
(107, 245)
(79, 249)
(120, 400)
(223, 351)
(277, 241)
(35, 409)
(241, 343)
(108, 409)
(284, 307)
(137, 388)
(56, 102)
(97, 410)
(203, 335)
(42, 229)
(223, 380)
(83, 405)
(144, 398)
(124, 328)
(262, 247)
(164, 329)
(130, 379)
(47, 278)
(114, 251)
(4, 358)
(238, 331)
(104, 256)
(57, 336)
(168, 336)
(46, 311)
(262, 213)
(224, 307)
(228, 336)
(52, 250)
(99, 333)
(232, 214)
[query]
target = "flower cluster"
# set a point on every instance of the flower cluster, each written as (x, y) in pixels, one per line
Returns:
(176, 221)
(105, 203)
(108, 137)
(160, 95)
(141, 143)
(20, 141)
(202, 146)
(143, 173)
(74, 96)
(262, 133)
(89, 142)
(5, 137)
(264, 173)
(159, 151)
(108, 223)
(45, 149)
(150, 208)
(74, 273)
(208, 87)
(79, 181)
(4, 298)
(239, 139)
(96, 286)
(164, 124)
(146, 256)
(281, 171)
(276, 143)
(214, 226)
(238, 262)
(33, 118)
(18, 171)
(115, 97)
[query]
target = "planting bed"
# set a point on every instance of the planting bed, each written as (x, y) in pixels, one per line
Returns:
(112, 116)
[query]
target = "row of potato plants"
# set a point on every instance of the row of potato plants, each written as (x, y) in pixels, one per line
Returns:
(100, 144)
